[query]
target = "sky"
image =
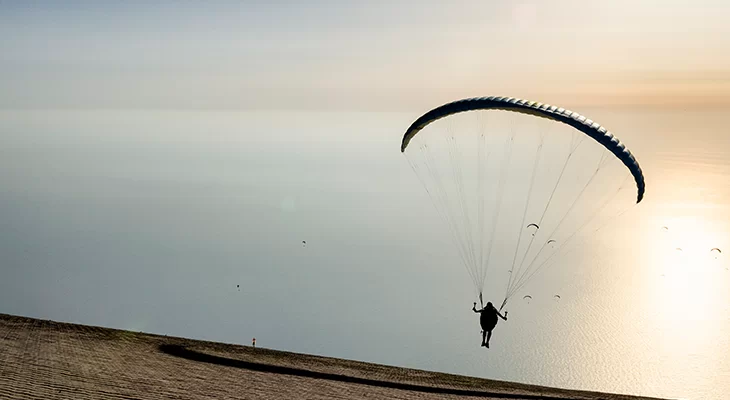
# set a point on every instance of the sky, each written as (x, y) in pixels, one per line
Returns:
(377, 56)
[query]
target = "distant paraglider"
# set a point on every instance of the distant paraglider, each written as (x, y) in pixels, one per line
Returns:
(304, 243)
(716, 250)
(557, 296)
(527, 297)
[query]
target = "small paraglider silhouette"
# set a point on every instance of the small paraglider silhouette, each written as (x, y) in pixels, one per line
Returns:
(528, 298)
(715, 252)
(556, 297)
(238, 287)
(678, 249)
(665, 229)
(304, 243)
(536, 228)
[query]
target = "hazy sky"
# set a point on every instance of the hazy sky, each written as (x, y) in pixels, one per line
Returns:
(374, 55)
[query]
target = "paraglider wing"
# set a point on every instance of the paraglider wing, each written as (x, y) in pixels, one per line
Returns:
(716, 250)
(487, 196)
(577, 121)
(527, 297)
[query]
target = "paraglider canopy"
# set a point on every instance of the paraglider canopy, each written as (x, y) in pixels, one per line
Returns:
(715, 252)
(518, 183)
(558, 114)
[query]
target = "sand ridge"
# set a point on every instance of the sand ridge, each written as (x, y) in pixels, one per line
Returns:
(52, 360)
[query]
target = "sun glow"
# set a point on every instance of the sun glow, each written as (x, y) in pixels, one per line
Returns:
(690, 281)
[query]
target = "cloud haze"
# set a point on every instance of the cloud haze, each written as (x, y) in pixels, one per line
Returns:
(381, 56)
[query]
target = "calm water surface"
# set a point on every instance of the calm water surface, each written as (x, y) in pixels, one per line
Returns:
(150, 220)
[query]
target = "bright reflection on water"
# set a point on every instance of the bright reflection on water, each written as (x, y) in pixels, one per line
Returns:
(149, 220)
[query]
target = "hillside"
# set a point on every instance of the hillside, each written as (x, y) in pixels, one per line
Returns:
(51, 360)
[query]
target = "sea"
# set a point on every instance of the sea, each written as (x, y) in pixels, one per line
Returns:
(309, 232)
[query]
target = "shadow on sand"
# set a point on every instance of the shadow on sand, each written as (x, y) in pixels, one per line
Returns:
(182, 352)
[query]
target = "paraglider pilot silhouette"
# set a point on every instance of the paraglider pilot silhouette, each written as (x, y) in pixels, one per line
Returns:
(469, 165)
(488, 320)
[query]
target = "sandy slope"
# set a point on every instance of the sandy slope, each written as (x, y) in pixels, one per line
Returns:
(49, 360)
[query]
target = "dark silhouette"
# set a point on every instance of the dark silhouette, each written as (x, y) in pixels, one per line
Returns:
(488, 320)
